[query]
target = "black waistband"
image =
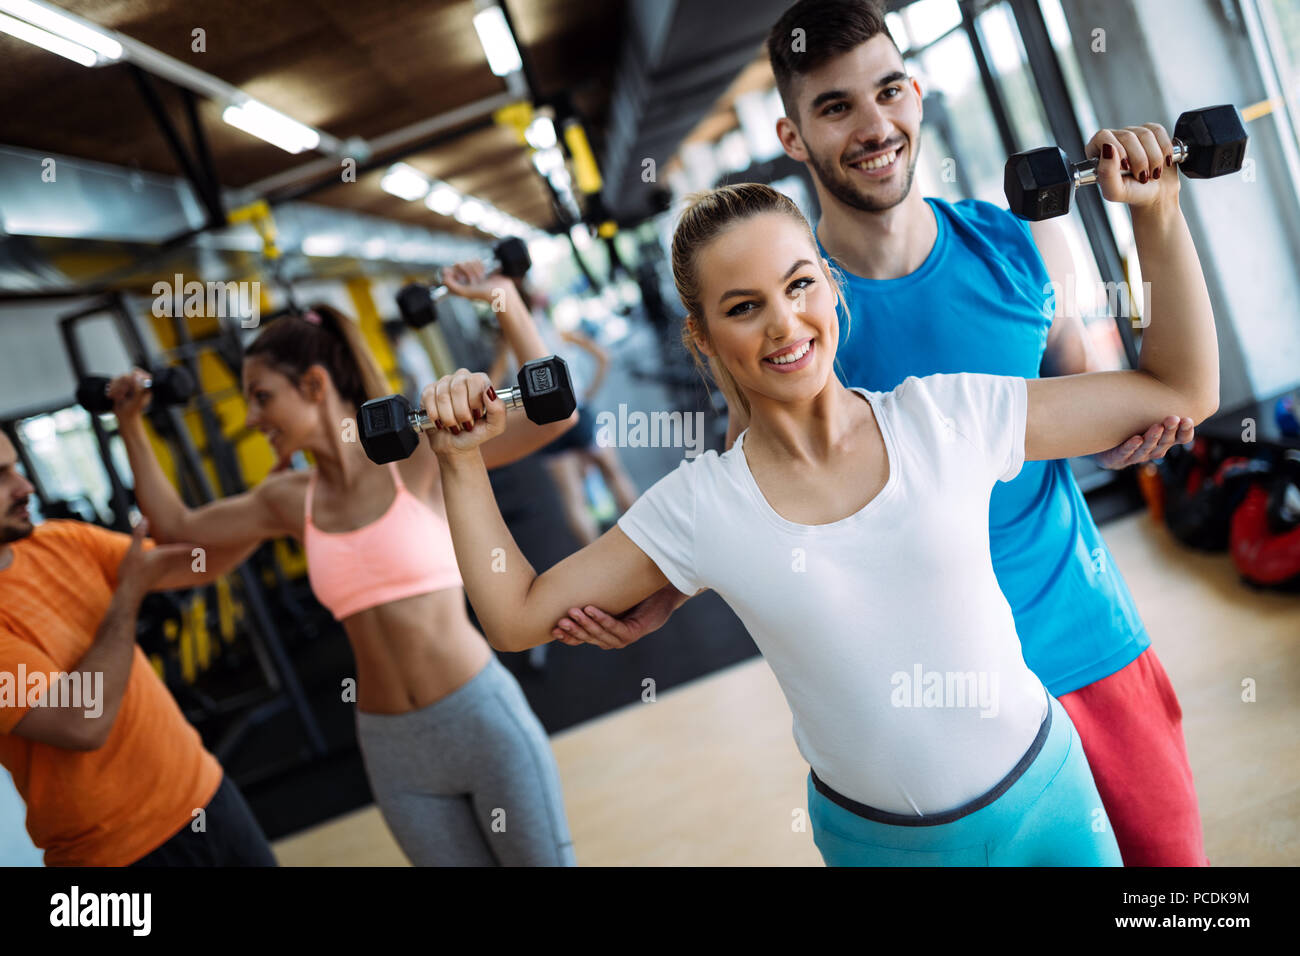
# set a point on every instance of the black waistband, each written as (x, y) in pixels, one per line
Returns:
(948, 816)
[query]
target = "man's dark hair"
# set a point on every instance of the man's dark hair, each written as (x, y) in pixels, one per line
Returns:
(829, 28)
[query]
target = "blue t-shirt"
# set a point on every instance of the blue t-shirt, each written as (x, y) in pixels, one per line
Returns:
(981, 302)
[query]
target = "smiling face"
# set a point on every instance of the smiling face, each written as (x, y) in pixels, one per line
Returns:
(768, 308)
(859, 125)
(15, 521)
(286, 413)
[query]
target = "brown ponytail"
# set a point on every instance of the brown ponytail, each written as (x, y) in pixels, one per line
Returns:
(326, 337)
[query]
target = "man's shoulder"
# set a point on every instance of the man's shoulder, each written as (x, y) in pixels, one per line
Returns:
(996, 235)
(982, 215)
(57, 531)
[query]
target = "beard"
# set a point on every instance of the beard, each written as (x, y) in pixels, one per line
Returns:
(828, 173)
(14, 529)
(9, 533)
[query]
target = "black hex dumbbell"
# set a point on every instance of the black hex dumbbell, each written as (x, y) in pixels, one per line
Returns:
(1207, 142)
(415, 301)
(171, 385)
(390, 428)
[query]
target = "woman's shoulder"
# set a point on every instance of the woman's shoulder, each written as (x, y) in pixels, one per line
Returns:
(692, 472)
(286, 490)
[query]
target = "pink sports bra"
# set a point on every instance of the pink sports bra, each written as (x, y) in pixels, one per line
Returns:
(408, 551)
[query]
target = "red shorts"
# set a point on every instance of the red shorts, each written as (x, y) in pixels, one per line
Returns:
(1132, 731)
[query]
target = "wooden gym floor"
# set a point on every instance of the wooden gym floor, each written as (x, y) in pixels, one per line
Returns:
(709, 774)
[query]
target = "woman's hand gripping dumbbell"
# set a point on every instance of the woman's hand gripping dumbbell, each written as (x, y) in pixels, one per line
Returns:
(471, 280)
(1207, 142)
(129, 394)
(461, 411)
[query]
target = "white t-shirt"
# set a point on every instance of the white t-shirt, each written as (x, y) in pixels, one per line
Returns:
(886, 630)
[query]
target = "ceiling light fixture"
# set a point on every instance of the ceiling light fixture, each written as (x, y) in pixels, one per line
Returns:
(497, 40)
(442, 199)
(62, 26)
(405, 182)
(47, 41)
(258, 119)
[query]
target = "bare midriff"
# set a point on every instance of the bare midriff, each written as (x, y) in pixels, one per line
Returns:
(413, 652)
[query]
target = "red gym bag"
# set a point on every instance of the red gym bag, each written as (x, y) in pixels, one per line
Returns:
(1265, 538)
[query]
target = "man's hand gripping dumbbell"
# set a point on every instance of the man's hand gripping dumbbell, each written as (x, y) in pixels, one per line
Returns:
(461, 403)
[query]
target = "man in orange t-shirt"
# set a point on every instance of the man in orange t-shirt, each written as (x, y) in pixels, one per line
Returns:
(112, 773)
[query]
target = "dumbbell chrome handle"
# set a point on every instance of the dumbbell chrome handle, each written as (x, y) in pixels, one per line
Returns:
(1085, 173)
(513, 397)
(146, 384)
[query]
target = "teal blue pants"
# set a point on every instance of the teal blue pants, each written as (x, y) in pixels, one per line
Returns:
(1045, 813)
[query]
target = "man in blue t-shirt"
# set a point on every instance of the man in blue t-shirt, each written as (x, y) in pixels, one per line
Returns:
(939, 287)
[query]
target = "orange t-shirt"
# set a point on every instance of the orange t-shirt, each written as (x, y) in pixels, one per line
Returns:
(116, 804)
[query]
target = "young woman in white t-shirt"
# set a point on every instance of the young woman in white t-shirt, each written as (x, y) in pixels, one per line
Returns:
(849, 532)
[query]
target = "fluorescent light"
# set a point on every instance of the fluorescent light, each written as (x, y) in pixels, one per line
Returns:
(541, 251)
(498, 43)
(495, 222)
(581, 237)
(405, 182)
(470, 212)
(540, 133)
(547, 161)
(62, 26)
(261, 121)
(326, 245)
(442, 199)
(48, 41)
(374, 248)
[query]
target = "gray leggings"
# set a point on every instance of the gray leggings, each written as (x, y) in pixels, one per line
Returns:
(469, 780)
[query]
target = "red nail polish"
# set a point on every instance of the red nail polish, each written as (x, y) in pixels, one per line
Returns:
(1156, 174)
(1123, 164)
(455, 430)
(469, 426)
(1169, 160)
(437, 423)
(492, 393)
(1107, 151)
(1142, 176)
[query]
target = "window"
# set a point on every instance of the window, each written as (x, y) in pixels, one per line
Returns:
(962, 158)
(1274, 29)
(1088, 295)
(65, 454)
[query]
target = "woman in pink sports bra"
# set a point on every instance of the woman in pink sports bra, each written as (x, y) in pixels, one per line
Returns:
(459, 765)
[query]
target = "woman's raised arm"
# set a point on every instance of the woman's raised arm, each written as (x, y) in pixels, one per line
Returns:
(1178, 372)
(516, 607)
(239, 521)
(468, 279)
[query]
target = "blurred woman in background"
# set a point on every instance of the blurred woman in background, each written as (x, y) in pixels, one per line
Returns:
(459, 765)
